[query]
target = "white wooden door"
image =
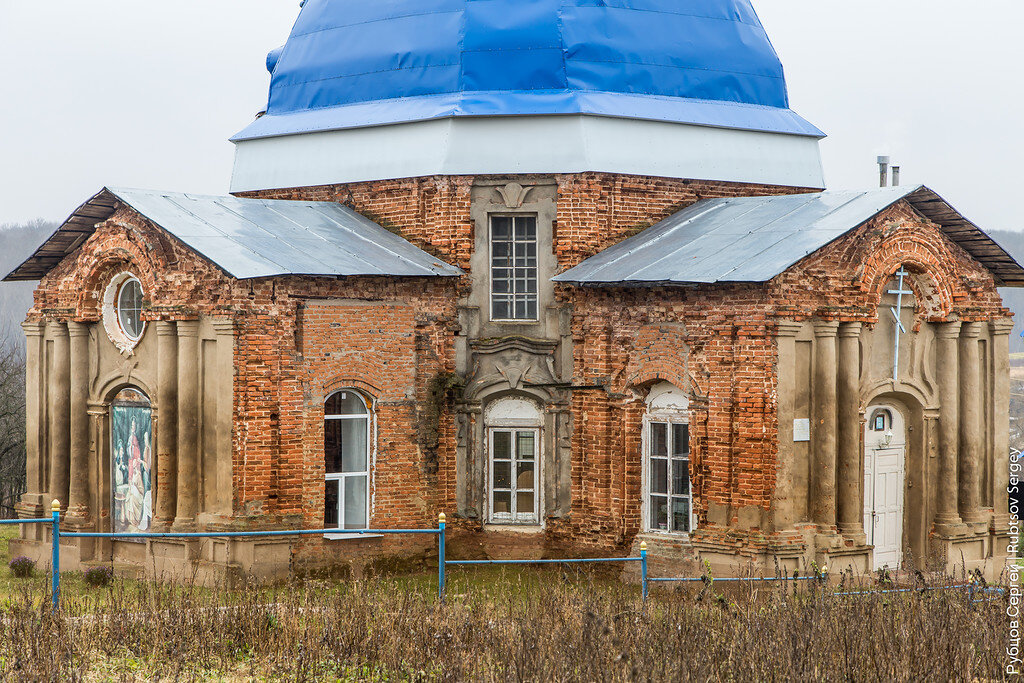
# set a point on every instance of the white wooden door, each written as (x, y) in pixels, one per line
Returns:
(884, 473)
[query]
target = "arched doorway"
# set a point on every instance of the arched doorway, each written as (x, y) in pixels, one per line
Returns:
(885, 450)
(514, 455)
(131, 448)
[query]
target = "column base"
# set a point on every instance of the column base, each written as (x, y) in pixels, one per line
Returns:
(31, 506)
(854, 533)
(950, 526)
(162, 525)
(1000, 522)
(184, 524)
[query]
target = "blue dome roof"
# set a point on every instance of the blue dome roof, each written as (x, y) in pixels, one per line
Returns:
(354, 63)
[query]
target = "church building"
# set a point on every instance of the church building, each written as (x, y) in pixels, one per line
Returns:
(564, 270)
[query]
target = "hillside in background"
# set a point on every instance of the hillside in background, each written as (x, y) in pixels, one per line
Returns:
(17, 242)
(1013, 298)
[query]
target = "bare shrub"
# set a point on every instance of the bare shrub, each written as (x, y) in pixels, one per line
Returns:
(541, 631)
(12, 425)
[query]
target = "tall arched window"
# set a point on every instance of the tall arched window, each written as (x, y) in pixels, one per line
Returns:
(347, 460)
(668, 504)
(514, 449)
(131, 446)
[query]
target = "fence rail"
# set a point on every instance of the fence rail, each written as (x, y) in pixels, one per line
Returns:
(443, 562)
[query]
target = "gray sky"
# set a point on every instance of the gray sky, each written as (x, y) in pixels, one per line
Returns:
(142, 93)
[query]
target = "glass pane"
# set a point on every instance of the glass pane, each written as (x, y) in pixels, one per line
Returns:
(500, 287)
(526, 228)
(659, 475)
(355, 502)
(524, 480)
(525, 445)
(524, 503)
(659, 438)
(502, 474)
(331, 504)
(680, 514)
(344, 403)
(680, 439)
(501, 309)
(531, 309)
(659, 513)
(345, 445)
(501, 228)
(680, 477)
(129, 308)
(502, 502)
(521, 310)
(502, 445)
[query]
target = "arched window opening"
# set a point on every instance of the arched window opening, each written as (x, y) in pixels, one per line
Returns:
(881, 420)
(669, 501)
(514, 443)
(131, 435)
(347, 461)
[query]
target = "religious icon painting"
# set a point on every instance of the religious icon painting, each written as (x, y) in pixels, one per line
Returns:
(131, 433)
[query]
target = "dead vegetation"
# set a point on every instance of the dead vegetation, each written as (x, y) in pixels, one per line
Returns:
(531, 627)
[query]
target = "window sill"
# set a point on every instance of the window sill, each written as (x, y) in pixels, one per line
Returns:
(349, 536)
(515, 528)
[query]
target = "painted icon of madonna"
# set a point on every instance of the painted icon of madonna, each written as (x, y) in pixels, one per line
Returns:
(131, 433)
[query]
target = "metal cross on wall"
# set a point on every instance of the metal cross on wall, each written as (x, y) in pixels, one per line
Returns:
(899, 292)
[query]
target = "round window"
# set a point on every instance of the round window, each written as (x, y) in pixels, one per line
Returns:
(129, 308)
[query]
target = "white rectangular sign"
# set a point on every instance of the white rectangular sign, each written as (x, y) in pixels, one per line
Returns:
(802, 429)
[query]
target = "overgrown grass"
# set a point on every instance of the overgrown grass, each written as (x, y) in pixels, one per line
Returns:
(499, 624)
(534, 625)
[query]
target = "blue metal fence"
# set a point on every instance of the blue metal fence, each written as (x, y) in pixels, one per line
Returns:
(443, 562)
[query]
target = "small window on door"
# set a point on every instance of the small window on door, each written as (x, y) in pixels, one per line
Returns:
(347, 461)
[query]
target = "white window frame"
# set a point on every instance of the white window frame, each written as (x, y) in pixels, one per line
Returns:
(490, 266)
(340, 477)
(669, 417)
(514, 517)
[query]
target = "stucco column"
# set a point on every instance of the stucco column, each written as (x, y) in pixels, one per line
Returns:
(59, 397)
(78, 501)
(167, 424)
(188, 425)
(823, 476)
(851, 510)
(971, 434)
(947, 519)
(1001, 421)
(32, 501)
(789, 501)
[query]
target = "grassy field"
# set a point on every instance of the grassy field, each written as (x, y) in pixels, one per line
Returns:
(499, 624)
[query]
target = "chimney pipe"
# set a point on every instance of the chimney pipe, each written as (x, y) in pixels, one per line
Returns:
(895, 176)
(883, 171)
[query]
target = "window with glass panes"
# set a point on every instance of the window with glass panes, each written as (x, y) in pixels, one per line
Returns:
(513, 477)
(668, 476)
(347, 460)
(513, 268)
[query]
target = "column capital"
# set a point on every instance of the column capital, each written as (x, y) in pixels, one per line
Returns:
(825, 328)
(788, 328)
(56, 327)
(78, 329)
(850, 329)
(970, 330)
(223, 326)
(188, 328)
(165, 328)
(1001, 327)
(33, 328)
(950, 330)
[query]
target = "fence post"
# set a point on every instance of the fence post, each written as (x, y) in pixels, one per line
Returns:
(440, 556)
(643, 568)
(55, 509)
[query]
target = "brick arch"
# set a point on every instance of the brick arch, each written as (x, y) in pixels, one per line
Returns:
(91, 286)
(660, 371)
(928, 264)
(339, 382)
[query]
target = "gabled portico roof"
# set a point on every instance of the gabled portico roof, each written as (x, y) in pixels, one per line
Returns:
(753, 239)
(250, 238)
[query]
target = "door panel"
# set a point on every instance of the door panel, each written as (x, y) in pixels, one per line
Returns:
(884, 478)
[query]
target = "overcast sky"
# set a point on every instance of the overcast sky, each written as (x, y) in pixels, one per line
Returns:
(145, 93)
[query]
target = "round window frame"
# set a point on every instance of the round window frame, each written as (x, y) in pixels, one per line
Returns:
(134, 338)
(111, 315)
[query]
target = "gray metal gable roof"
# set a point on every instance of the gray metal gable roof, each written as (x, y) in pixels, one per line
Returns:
(753, 239)
(251, 238)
